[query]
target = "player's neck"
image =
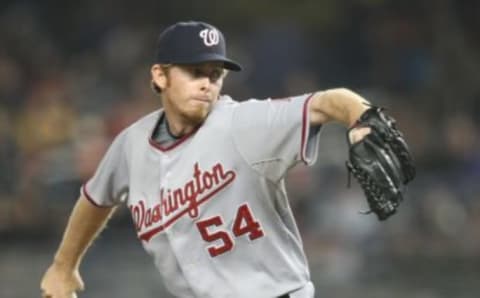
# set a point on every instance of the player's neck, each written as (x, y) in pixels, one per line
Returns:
(178, 126)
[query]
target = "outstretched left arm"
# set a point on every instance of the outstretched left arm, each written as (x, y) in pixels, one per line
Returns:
(378, 156)
(340, 105)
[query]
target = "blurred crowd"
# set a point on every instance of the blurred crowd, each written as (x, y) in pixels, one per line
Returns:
(72, 76)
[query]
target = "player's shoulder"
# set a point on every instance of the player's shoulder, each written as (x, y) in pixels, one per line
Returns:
(226, 109)
(226, 106)
(141, 127)
(147, 121)
(222, 114)
(227, 103)
(266, 104)
(223, 106)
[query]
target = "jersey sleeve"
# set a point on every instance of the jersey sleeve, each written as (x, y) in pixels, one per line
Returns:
(274, 135)
(110, 182)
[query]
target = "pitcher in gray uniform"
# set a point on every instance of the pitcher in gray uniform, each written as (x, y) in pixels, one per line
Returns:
(203, 178)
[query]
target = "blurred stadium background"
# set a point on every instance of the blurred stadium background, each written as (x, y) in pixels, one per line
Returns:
(73, 74)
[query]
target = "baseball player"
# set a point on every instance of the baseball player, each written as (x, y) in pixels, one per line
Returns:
(203, 178)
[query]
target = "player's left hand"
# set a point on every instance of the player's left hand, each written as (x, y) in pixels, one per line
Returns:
(380, 160)
(358, 133)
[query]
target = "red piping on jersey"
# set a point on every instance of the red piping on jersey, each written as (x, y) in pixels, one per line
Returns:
(175, 144)
(90, 199)
(304, 128)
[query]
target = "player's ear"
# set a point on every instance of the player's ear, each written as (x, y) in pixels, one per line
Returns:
(159, 76)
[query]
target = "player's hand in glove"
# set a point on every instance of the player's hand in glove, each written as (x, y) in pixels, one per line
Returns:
(380, 160)
(61, 283)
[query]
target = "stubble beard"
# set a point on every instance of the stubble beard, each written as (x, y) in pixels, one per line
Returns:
(196, 115)
(190, 113)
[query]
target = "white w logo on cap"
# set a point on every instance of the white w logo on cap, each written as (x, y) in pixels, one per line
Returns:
(210, 37)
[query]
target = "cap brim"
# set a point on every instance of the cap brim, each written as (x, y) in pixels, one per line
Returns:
(227, 63)
(231, 65)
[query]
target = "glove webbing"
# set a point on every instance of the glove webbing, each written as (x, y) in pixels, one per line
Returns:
(372, 191)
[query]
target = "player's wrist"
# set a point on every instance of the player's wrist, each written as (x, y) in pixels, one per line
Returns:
(356, 113)
(65, 264)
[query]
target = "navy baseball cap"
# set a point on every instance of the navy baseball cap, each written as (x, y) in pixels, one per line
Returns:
(191, 43)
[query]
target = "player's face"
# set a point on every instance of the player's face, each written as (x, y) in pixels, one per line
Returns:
(189, 91)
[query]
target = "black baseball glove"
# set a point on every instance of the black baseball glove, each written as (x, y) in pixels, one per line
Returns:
(381, 162)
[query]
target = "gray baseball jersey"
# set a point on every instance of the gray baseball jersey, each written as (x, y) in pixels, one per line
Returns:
(211, 209)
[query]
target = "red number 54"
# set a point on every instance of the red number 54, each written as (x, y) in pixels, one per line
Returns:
(244, 223)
